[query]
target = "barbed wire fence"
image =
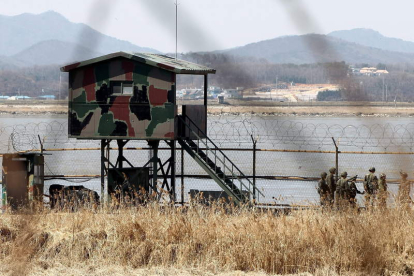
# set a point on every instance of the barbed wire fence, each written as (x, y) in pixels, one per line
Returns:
(233, 130)
(290, 154)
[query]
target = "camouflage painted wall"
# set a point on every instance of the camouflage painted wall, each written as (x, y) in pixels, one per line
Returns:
(96, 112)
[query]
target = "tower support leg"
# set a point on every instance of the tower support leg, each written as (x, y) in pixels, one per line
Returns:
(121, 158)
(104, 169)
(154, 147)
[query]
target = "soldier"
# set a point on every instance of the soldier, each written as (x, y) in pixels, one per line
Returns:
(371, 187)
(323, 190)
(404, 190)
(342, 190)
(127, 189)
(330, 181)
(353, 191)
(382, 191)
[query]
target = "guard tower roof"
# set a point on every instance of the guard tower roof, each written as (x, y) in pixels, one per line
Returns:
(177, 66)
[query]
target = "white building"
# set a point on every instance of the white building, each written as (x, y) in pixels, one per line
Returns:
(232, 94)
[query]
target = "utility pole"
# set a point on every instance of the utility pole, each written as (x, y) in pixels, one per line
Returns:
(276, 86)
(176, 27)
(60, 83)
(386, 92)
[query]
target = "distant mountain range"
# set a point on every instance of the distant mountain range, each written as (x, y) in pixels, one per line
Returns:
(313, 48)
(371, 38)
(54, 52)
(49, 38)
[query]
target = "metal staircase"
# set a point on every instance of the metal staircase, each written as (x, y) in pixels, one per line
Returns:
(219, 167)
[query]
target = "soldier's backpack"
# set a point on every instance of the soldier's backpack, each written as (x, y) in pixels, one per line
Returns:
(353, 190)
(322, 187)
(368, 186)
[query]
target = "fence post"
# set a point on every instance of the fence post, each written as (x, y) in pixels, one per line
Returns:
(336, 158)
(182, 176)
(103, 144)
(254, 167)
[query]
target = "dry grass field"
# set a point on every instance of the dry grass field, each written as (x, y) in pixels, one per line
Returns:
(200, 240)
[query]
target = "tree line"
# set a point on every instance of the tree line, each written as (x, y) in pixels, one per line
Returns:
(34, 81)
(244, 72)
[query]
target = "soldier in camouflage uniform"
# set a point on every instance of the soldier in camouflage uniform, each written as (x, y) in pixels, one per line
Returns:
(330, 181)
(382, 191)
(342, 193)
(353, 191)
(371, 188)
(404, 190)
(323, 190)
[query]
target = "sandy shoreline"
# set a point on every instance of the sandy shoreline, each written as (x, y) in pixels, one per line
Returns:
(33, 109)
(320, 110)
(328, 111)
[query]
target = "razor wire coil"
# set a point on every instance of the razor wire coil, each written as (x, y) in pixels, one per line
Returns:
(234, 131)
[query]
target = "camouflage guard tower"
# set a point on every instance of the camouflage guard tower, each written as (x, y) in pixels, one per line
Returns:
(123, 96)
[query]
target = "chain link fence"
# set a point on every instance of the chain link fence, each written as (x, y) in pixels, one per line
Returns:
(290, 154)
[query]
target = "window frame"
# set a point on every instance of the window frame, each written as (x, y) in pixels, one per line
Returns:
(111, 85)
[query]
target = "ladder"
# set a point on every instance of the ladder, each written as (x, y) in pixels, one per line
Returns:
(217, 165)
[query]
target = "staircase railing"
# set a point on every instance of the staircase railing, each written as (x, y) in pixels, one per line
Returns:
(228, 168)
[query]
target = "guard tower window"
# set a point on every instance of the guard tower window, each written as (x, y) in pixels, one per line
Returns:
(122, 87)
(127, 88)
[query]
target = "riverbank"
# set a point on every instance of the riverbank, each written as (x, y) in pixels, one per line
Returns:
(237, 107)
(33, 109)
(337, 111)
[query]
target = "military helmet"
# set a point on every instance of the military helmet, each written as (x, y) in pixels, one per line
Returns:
(324, 174)
(332, 170)
(344, 174)
(372, 169)
(403, 174)
(383, 175)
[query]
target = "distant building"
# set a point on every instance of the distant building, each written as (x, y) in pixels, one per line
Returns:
(214, 91)
(192, 93)
(47, 97)
(23, 97)
(367, 71)
(231, 94)
(355, 71)
(379, 72)
(282, 85)
(14, 98)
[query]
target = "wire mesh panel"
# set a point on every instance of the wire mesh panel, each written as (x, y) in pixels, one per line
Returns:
(290, 155)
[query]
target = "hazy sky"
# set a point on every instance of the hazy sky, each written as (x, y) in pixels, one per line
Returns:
(219, 24)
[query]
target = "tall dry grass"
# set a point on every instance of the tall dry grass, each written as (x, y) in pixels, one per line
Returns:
(213, 239)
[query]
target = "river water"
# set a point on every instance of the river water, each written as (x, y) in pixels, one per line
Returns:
(368, 134)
